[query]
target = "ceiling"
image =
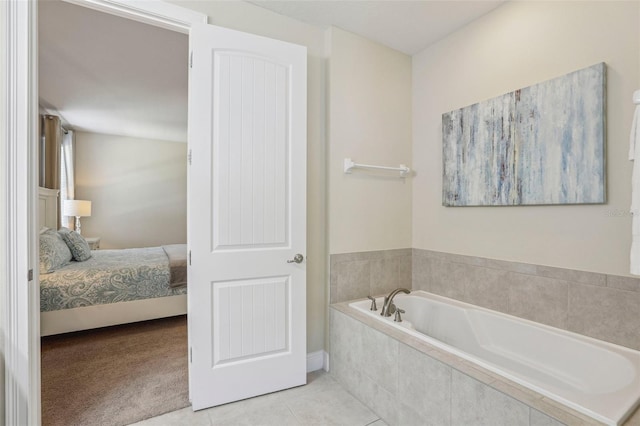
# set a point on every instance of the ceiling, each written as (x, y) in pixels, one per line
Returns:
(106, 74)
(407, 26)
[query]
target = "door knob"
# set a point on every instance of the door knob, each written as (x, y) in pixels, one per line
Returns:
(298, 258)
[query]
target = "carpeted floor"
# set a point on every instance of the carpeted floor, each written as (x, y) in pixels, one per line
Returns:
(116, 375)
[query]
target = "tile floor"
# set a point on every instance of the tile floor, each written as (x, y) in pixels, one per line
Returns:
(321, 402)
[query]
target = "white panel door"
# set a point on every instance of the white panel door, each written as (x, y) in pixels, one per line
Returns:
(247, 216)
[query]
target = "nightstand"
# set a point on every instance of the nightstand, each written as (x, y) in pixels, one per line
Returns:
(94, 242)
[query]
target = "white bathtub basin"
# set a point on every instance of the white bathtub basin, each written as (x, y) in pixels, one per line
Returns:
(599, 379)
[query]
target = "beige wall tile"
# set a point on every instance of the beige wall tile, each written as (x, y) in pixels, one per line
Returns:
(473, 403)
(346, 338)
(565, 414)
(425, 385)
(605, 313)
(407, 415)
(539, 299)
(524, 268)
(421, 272)
(380, 359)
(381, 401)
(353, 279)
(485, 287)
(447, 279)
(540, 419)
(582, 277)
(534, 292)
(424, 378)
(357, 275)
(384, 276)
(405, 270)
(623, 283)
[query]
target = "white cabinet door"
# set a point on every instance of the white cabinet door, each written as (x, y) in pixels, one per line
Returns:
(247, 216)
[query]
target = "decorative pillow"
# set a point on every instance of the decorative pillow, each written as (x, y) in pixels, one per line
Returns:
(78, 245)
(54, 252)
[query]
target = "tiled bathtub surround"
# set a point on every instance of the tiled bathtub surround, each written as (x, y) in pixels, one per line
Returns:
(606, 307)
(357, 275)
(408, 382)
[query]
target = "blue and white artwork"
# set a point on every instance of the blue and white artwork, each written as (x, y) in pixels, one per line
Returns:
(540, 145)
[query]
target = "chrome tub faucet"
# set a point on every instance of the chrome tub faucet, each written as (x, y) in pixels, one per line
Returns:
(388, 308)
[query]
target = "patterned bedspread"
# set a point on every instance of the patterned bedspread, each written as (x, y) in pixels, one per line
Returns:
(109, 276)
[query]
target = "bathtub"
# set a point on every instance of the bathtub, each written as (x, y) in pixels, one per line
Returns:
(599, 379)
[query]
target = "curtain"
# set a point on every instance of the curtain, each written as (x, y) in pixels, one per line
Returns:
(49, 158)
(67, 162)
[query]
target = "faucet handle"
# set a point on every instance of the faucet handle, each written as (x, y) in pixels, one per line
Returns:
(398, 318)
(373, 303)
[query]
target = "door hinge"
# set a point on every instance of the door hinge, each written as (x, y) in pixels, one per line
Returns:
(189, 157)
(190, 354)
(191, 59)
(189, 257)
(30, 275)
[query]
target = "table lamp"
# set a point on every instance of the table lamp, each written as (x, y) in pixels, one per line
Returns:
(77, 208)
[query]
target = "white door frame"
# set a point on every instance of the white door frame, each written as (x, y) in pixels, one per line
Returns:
(20, 334)
(20, 298)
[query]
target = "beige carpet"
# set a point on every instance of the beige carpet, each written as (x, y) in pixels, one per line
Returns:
(116, 375)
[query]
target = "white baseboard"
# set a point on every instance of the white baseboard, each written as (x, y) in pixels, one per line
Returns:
(318, 360)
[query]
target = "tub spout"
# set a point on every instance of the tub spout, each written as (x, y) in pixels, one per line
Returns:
(388, 307)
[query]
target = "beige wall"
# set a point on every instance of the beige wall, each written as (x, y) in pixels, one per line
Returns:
(370, 122)
(253, 19)
(517, 45)
(138, 190)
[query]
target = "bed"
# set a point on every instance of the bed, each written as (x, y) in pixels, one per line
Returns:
(111, 287)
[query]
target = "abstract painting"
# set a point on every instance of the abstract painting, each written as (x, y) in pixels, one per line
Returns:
(543, 144)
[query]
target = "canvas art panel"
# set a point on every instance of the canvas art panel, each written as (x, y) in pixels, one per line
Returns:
(540, 145)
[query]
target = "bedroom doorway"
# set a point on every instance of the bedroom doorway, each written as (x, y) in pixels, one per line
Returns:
(115, 91)
(23, 403)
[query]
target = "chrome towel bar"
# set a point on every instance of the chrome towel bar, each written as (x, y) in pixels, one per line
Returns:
(349, 165)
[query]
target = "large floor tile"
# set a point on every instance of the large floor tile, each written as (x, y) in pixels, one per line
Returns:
(266, 415)
(378, 422)
(331, 408)
(185, 416)
(247, 405)
(318, 381)
(323, 401)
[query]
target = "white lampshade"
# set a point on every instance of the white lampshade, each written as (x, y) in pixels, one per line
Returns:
(77, 208)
